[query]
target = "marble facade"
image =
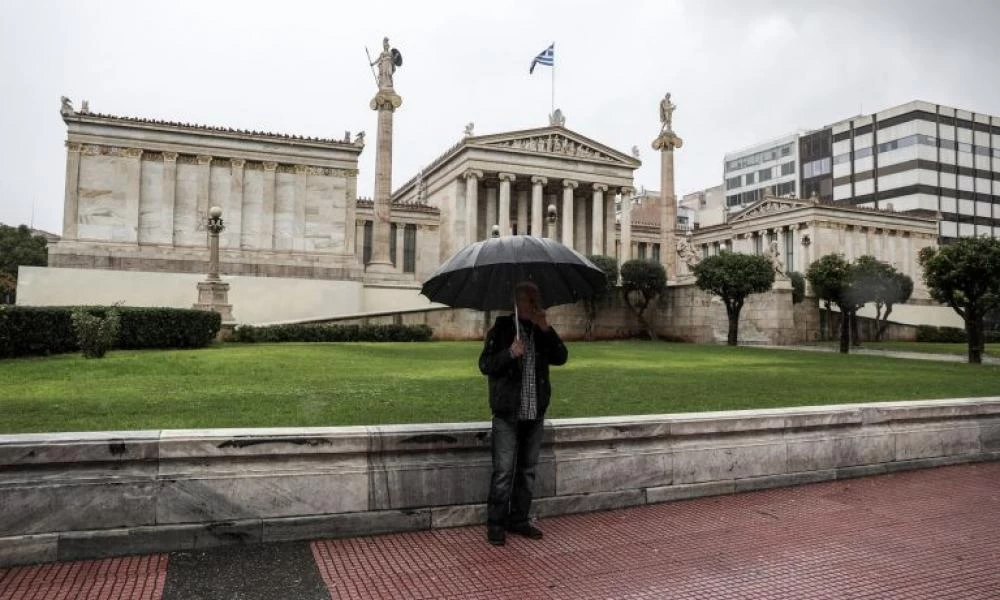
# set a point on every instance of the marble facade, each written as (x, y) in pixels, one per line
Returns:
(513, 180)
(139, 190)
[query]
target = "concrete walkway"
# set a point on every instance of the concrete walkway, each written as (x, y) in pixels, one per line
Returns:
(931, 534)
(987, 360)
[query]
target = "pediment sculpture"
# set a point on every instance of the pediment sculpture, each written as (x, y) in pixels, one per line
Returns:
(554, 144)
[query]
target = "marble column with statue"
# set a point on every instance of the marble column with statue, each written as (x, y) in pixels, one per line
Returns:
(385, 102)
(666, 142)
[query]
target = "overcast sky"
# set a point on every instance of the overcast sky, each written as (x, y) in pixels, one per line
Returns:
(740, 72)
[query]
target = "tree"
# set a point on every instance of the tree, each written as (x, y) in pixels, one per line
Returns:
(610, 267)
(798, 286)
(642, 281)
(8, 285)
(965, 275)
(867, 277)
(733, 277)
(896, 288)
(830, 277)
(18, 247)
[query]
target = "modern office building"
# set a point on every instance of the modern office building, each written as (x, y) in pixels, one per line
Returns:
(771, 167)
(918, 158)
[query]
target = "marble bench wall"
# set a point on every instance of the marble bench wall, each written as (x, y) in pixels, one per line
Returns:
(82, 495)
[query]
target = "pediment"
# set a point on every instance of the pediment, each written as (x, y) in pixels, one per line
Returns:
(556, 142)
(767, 207)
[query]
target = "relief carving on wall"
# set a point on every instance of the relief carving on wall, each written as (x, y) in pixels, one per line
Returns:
(554, 144)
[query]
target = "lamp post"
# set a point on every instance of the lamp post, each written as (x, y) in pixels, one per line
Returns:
(213, 293)
(215, 227)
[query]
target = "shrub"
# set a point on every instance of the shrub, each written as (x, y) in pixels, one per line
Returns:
(28, 330)
(95, 335)
(950, 335)
(332, 333)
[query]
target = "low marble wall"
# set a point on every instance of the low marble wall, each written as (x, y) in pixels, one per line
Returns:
(82, 495)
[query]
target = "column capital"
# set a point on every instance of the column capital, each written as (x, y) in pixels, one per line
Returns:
(204, 159)
(132, 152)
(569, 183)
(539, 180)
(74, 147)
(600, 187)
(506, 177)
(301, 169)
(626, 190)
(473, 174)
(238, 163)
(170, 157)
(270, 165)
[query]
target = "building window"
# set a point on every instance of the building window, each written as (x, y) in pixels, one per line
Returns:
(410, 249)
(784, 189)
(734, 182)
(750, 178)
(733, 200)
(656, 253)
(758, 244)
(819, 167)
(788, 168)
(642, 250)
(393, 228)
(764, 174)
(366, 247)
(704, 250)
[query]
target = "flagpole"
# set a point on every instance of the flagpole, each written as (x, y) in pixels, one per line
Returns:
(553, 108)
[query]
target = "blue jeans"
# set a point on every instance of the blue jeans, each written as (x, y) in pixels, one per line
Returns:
(516, 445)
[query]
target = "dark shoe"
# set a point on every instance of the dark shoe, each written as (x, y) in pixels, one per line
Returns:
(527, 530)
(495, 536)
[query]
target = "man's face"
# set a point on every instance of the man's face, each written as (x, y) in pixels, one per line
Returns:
(528, 302)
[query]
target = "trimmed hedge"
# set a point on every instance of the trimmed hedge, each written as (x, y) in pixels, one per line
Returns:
(28, 330)
(951, 335)
(332, 333)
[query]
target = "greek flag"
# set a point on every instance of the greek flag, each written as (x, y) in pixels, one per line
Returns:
(546, 57)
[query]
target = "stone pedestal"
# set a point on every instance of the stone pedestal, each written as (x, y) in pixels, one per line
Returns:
(214, 295)
(386, 101)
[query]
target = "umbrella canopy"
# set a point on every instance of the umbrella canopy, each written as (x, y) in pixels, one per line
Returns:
(483, 275)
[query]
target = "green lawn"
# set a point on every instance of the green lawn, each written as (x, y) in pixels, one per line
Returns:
(925, 347)
(350, 384)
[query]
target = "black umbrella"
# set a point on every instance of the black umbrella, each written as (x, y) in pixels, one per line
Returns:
(483, 275)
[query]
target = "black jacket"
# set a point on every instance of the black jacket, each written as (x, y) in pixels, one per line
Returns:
(504, 372)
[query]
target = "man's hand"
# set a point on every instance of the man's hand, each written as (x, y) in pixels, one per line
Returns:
(517, 348)
(538, 318)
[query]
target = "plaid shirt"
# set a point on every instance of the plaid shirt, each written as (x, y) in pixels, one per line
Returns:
(528, 409)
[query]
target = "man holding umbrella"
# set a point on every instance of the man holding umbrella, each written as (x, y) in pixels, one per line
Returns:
(516, 358)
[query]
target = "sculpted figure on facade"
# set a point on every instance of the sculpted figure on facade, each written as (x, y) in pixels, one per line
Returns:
(667, 113)
(67, 107)
(468, 129)
(557, 118)
(359, 139)
(687, 253)
(774, 255)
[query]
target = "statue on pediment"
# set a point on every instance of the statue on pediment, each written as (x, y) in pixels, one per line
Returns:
(557, 119)
(67, 107)
(468, 129)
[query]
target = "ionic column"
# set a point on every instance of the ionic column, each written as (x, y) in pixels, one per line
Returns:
(609, 224)
(537, 210)
(203, 200)
(597, 220)
(472, 178)
(504, 220)
(299, 209)
(580, 224)
(400, 230)
(522, 211)
(267, 207)
(626, 226)
(71, 202)
(234, 232)
(567, 212)
(491, 207)
(133, 187)
(169, 197)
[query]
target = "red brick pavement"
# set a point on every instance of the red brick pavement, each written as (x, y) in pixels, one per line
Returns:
(925, 534)
(129, 578)
(932, 534)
